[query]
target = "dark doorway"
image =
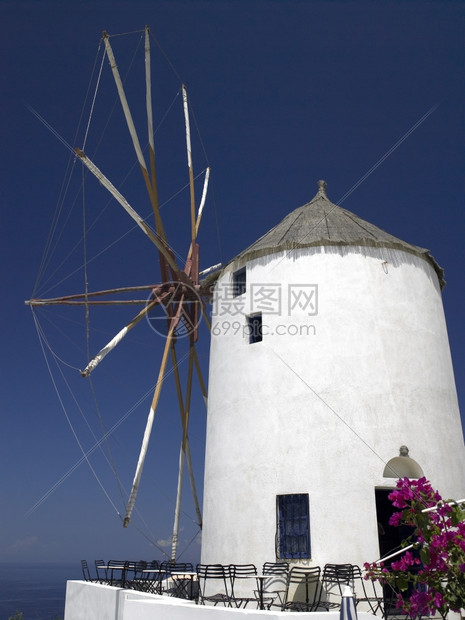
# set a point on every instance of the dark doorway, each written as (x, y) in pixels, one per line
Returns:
(390, 539)
(388, 536)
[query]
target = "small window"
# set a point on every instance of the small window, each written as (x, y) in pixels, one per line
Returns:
(255, 328)
(293, 526)
(239, 282)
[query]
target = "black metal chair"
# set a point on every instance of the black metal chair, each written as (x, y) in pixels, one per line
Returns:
(180, 580)
(101, 570)
(116, 571)
(274, 585)
(367, 594)
(214, 584)
(243, 584)
(152, 578)
(86, 572)
(303, 589)
(335, 578)
(134, 578)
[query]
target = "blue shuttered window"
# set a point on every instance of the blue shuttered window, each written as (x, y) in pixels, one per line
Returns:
(255, 328)
(239, 282)
(293, 527)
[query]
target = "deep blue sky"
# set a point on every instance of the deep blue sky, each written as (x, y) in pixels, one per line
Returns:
(284, 93)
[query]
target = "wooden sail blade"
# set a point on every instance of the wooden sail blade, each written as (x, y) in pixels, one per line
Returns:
(185, 439)
(192, 483)
(95, 361)
(190, 166)
(200, 211)
(151, 184)
(206, 318)
(200, 378)
(124, 102)
(202, 200)
(148, 428)
(90, 295)
(148, 103)
(174, 538)
(162, 247)
(84, 302)
(185, 443)
(191, 267)
(182, 452)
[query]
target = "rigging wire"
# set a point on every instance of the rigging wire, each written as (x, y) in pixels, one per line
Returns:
(340, 418)
(91, 112)
(166, 57)
(87, 322)
(98, 443)
(84, 454)
(369, 172)
(388, 153)
(199, 531)
(65, 184)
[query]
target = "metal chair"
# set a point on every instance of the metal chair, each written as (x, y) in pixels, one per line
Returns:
(86, 572)
(335, 578)
(243, 583)
(116, 570)
(214, 584)
(303, 589)
(153, 577)
(275, 583)
(180, 580)
(373, 599)
(134, 578)
(101, 570)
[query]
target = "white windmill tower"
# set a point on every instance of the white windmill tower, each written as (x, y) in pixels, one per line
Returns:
(329, 352)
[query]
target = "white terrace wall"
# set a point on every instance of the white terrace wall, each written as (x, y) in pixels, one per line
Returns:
(91, 601)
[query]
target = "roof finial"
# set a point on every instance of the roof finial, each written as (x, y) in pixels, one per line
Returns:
(403, 451)
(322, 189)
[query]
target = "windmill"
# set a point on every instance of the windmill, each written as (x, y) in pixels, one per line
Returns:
(179, 293)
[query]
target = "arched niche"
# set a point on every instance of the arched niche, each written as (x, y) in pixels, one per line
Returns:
(402, 466)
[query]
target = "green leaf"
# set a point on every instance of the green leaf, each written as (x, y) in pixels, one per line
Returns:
(425, 555)
(402, 582)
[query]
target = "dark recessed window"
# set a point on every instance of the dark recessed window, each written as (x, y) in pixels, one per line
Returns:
(255, 328)
(293, 526)
(239, 282)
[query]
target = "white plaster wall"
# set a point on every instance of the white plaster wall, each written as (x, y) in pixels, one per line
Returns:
(90, 601)
(324, 412)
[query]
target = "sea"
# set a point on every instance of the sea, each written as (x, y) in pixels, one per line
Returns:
(36, 590)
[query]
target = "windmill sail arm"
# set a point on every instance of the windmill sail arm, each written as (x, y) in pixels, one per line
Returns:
(203, 199)
(192, 482)
(189, 164)
(127, 207)
(159, 296)
(87, 295)
(151, 184)
(103, 352)
(147, 433)
(153, 190)
(174, 539)
(124, 103)
(151, 416)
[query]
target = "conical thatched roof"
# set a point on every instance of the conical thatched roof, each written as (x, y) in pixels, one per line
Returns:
(320, 223)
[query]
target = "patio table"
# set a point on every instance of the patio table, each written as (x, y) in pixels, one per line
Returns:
(184, 583)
